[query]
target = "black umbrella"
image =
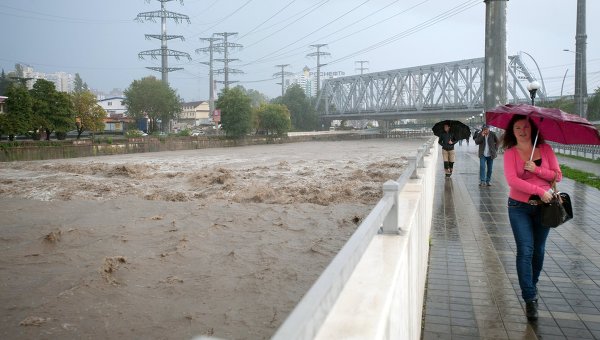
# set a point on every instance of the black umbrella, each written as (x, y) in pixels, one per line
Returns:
(457, 128)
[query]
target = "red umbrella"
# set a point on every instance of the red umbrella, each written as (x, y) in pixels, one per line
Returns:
(554, 124)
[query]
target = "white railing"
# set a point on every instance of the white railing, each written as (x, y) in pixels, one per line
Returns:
(585, 151)
(374, 287)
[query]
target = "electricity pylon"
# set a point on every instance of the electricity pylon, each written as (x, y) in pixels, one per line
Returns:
(210, 50)
(282, 74)
(318, 54)
(163, 52)
(225, 46)
(361, 68)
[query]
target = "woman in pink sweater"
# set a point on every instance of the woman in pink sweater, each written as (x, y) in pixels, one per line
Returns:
(529, 179)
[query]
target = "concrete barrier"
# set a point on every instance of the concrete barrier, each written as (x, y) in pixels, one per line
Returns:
(374, 287)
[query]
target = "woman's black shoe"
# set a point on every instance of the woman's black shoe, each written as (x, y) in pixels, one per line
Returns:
(531, 310)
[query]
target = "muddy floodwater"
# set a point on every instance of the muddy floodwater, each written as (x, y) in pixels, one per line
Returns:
(170, 245)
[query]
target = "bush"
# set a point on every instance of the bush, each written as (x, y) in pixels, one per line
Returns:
(134, 133)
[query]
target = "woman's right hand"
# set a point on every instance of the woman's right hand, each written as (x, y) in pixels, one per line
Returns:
(547, 197)
(530, 166)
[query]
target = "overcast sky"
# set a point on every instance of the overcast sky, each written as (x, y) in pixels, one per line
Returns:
(100, 40)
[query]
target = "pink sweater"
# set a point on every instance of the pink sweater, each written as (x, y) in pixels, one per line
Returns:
(523, 183)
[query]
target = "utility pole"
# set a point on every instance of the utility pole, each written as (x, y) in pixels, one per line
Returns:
(361, 68)
(210, 50)
(225, 46)
(318, 54)
(282, 74)
(163, 52)
(494, 77)
(580, 62)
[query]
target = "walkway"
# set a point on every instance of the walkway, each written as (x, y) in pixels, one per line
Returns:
(472, 289)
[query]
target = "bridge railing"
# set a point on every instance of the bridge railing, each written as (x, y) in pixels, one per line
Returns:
(374, 286)
(585, 151)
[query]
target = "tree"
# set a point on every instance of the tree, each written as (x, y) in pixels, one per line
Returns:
(303, 114)
(4, 83)
(52, 110)
(88, 114)
(18, 117)
(256, 98)
(79, 85)
(593, 110)
(235, 111)
(273, 118)
(151, 98)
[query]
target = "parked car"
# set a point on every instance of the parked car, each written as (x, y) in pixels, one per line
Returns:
(198, 133)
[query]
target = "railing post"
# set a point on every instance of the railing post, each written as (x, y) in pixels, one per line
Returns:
(421, 157)
(390, 223)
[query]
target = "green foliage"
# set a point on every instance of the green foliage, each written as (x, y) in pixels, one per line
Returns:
(256, 97)
(564, 104)
(273, 118)
(133, 133)
(593, 110)
(89, 115)
(235, 112)
(150, 96)
(52, 110)
(184, 133)
(5, 82)
(581, 176)
(19, 115)
(79, 85)
(303, 114)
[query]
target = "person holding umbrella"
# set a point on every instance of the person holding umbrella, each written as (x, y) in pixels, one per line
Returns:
(447, 141)
(530, 166)
(488, 150)
(449, 132)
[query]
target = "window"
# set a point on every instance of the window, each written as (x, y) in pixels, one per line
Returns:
(109, 103)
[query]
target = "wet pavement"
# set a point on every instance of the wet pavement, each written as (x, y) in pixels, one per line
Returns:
(472, 287)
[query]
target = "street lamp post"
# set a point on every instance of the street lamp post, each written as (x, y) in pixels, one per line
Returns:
(532, 88)
(579, 82)
(481, 118)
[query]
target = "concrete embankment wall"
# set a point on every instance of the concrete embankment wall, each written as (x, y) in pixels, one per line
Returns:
(40, 150)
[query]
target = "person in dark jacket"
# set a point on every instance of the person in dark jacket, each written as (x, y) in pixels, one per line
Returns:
(488, 150)
(447, 141)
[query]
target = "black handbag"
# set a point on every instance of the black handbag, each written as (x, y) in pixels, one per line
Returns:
(559, 210)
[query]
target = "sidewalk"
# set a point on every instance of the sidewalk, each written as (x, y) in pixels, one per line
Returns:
(590, 167)
(473, 290)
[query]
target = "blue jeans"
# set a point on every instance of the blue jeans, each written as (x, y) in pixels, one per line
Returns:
(530, 237)
(485, 176)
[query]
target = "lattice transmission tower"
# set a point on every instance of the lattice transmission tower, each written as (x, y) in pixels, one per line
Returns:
(225, 46)
(163, 52)
(210, 50)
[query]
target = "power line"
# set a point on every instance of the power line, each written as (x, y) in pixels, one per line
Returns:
(291, 52)
(312, 10)
(327, 24)
(271, 17)
(441, 17)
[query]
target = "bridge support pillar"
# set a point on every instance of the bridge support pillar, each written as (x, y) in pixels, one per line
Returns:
(494, 78)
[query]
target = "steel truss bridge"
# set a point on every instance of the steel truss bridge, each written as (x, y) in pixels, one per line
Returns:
(453, 89)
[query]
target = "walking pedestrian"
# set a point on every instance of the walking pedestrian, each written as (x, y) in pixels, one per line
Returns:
(529, 172)
(488, 150)
(447, 141)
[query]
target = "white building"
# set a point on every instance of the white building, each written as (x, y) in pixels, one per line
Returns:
(2, 102)
(63, 82)
(193, 114)
(307, 80)
(113, 106)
